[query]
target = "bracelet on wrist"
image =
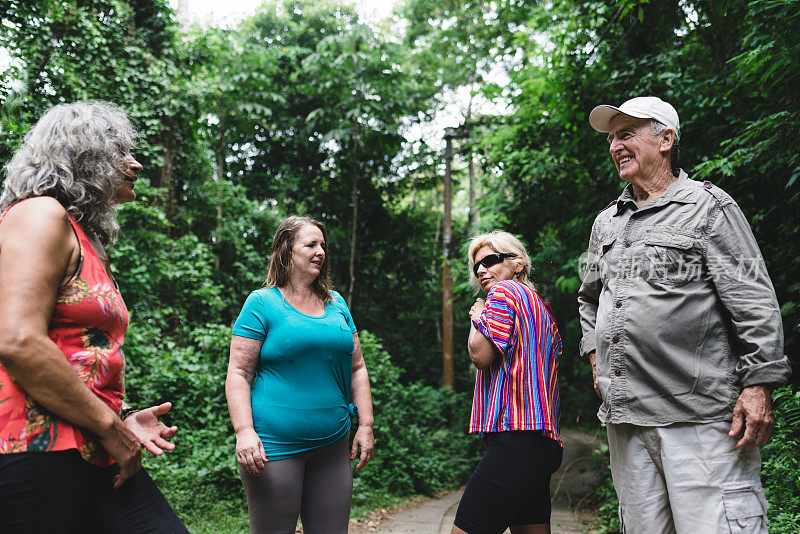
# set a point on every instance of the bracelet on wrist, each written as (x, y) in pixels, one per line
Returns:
(127, 412)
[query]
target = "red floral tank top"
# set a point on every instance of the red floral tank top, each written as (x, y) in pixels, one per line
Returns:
(88, 325)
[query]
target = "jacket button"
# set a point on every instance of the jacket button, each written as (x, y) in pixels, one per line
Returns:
(618, 304)
(628, 243)
(617, 372)
(615, 339)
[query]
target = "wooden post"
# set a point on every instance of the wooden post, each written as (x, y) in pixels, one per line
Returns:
(448, 373)
(473, 216)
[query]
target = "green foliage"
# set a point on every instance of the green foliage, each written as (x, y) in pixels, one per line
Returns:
(724, 65)
(202, 469)
(605, 498)
(781, 466)
(763, 148)
(420, 433)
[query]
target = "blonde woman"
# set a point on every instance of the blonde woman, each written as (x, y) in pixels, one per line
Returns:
(515, 344)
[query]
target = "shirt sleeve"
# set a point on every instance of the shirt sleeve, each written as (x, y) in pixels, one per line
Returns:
(252, 321)
(746, 291)
(496, 321)
(344, 310)
(589, 294)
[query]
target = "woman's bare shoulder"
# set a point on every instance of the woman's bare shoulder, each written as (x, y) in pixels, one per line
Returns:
(41, 209)
(43, 217)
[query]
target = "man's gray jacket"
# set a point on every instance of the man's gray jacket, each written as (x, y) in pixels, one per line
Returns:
(677, 303)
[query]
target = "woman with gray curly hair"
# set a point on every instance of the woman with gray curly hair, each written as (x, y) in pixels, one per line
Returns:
(70, 449)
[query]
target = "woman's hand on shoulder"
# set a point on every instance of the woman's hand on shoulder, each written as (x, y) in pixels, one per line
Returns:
(365, 441)
(148, 428)
(250, 452)
(477, 308)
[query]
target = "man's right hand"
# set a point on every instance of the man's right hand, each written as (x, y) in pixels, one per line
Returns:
(125, 449)
(593, 360)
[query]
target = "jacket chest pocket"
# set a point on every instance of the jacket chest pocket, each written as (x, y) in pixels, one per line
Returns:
(670, 258)
(603, 257)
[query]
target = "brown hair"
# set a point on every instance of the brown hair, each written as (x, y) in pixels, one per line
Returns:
(280, 261)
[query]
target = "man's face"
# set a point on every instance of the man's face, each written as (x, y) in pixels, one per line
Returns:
(636, 152)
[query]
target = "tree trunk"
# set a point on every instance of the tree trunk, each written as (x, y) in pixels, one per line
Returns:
(354, 192)
(220, 178)
(354, 200)
(433, 274)
(474, 213)
(448, 369)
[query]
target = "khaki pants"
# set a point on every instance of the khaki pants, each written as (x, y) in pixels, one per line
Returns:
(686, 479)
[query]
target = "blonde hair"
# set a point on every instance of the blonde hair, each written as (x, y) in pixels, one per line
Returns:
(504, 243)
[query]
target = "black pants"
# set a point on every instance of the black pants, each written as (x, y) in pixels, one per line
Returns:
(58, 492)
(511, 485)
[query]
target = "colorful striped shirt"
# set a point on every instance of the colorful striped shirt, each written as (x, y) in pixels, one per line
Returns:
(519, 390)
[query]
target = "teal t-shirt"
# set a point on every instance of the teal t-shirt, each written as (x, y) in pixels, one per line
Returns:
(300, 395)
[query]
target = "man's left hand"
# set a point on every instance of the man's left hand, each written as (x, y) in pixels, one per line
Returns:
(753, 415)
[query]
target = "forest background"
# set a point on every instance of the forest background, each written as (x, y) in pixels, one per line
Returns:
(304, 108)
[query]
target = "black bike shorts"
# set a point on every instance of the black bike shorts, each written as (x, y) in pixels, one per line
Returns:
(511, 485)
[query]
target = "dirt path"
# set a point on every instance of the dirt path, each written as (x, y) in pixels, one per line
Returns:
(571, 482)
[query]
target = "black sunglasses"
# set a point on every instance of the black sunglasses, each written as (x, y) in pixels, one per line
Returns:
(489, 260)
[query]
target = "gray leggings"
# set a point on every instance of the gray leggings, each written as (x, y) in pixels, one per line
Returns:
(317, 486)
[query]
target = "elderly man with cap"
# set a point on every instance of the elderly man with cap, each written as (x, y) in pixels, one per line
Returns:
(683, 331)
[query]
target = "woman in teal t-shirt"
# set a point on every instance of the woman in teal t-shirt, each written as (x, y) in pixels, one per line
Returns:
(296, 375)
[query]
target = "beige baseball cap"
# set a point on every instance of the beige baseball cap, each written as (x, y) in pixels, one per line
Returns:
(641, 107)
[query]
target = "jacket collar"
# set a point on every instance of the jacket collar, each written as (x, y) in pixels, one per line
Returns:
(680, 191)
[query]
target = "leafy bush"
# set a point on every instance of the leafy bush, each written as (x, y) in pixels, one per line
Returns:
(420, 433)
(202, 469)
(781, 464)
(605, 497)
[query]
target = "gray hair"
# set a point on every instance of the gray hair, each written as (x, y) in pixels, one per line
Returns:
(75, 154)
(656, 128)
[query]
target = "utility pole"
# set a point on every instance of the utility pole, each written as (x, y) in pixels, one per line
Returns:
(448, 372)
(474, 215)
